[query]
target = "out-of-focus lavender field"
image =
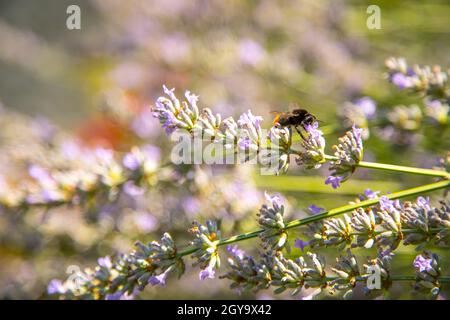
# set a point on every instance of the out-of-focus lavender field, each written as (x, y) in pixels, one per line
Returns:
(73, 103)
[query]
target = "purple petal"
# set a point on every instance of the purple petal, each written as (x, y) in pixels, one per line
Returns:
(400, 80)
(386, 204)
(315, 209)
(300, 244)
(335, 181)
(368, 106)
(422, 263)
(130, 161)
(159, 280)
(235, 251)
(105, 262)
(55, 287)
(207, 273)
(371, 194)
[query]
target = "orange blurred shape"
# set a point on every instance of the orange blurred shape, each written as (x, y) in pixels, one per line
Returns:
(102, 131)
(132, 101)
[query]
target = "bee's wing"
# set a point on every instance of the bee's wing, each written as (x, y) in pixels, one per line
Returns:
(277, 114)
(293, 105)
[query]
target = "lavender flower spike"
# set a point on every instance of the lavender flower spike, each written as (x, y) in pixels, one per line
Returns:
(428, 271)
(313, 147)
(432, 81)
(272, 222)
(349, 152)
(250, 134)
(275, 157)
(173, 114)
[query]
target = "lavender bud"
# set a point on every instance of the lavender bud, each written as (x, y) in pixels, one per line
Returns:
(271, 220)
(349, 152)
(312, 154)
(207, 255)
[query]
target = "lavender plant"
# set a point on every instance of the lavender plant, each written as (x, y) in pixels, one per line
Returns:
(401, 123)
(381, 221)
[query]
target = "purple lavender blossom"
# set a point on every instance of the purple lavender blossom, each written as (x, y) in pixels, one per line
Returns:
(371, 194)
(39, 174)
(191, 98)
(424, 202)
(114, 296)
(131, 161)
(367, 105)
(71, 149)
(191, 205)
(174, 48)
(151, 152)
(300, 244)
(313, 131)
(143, 125)
(168, 126)
(358, 135)
(104, 155)
(55, 287)
(235, 251)
(105, 262)
(433, 103)
(250, 133)
(386, 204)
(146, 222)
(335, 181)
(131, 189)
(422, 263)
(244, 143)
(400, 80)
(250, 52)
(207, 273)
(248, 118)
(274, 199)
(43, 128)
(50, 195)
(315, 209)
(386, 254)
(170, 92)
(159, 280)
(119, 295)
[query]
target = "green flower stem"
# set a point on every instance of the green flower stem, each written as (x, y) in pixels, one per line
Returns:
(370, 202)
(331, 213)
(395, 168)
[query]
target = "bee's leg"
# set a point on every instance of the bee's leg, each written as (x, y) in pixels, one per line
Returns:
(299, 132)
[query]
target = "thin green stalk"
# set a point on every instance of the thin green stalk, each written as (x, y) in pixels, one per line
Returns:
(370, 202)
(395, 168)
(331, 213)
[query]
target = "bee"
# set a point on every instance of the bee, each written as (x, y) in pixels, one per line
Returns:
(296, 118)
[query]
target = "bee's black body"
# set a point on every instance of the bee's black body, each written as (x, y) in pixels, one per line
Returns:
(297, 117)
